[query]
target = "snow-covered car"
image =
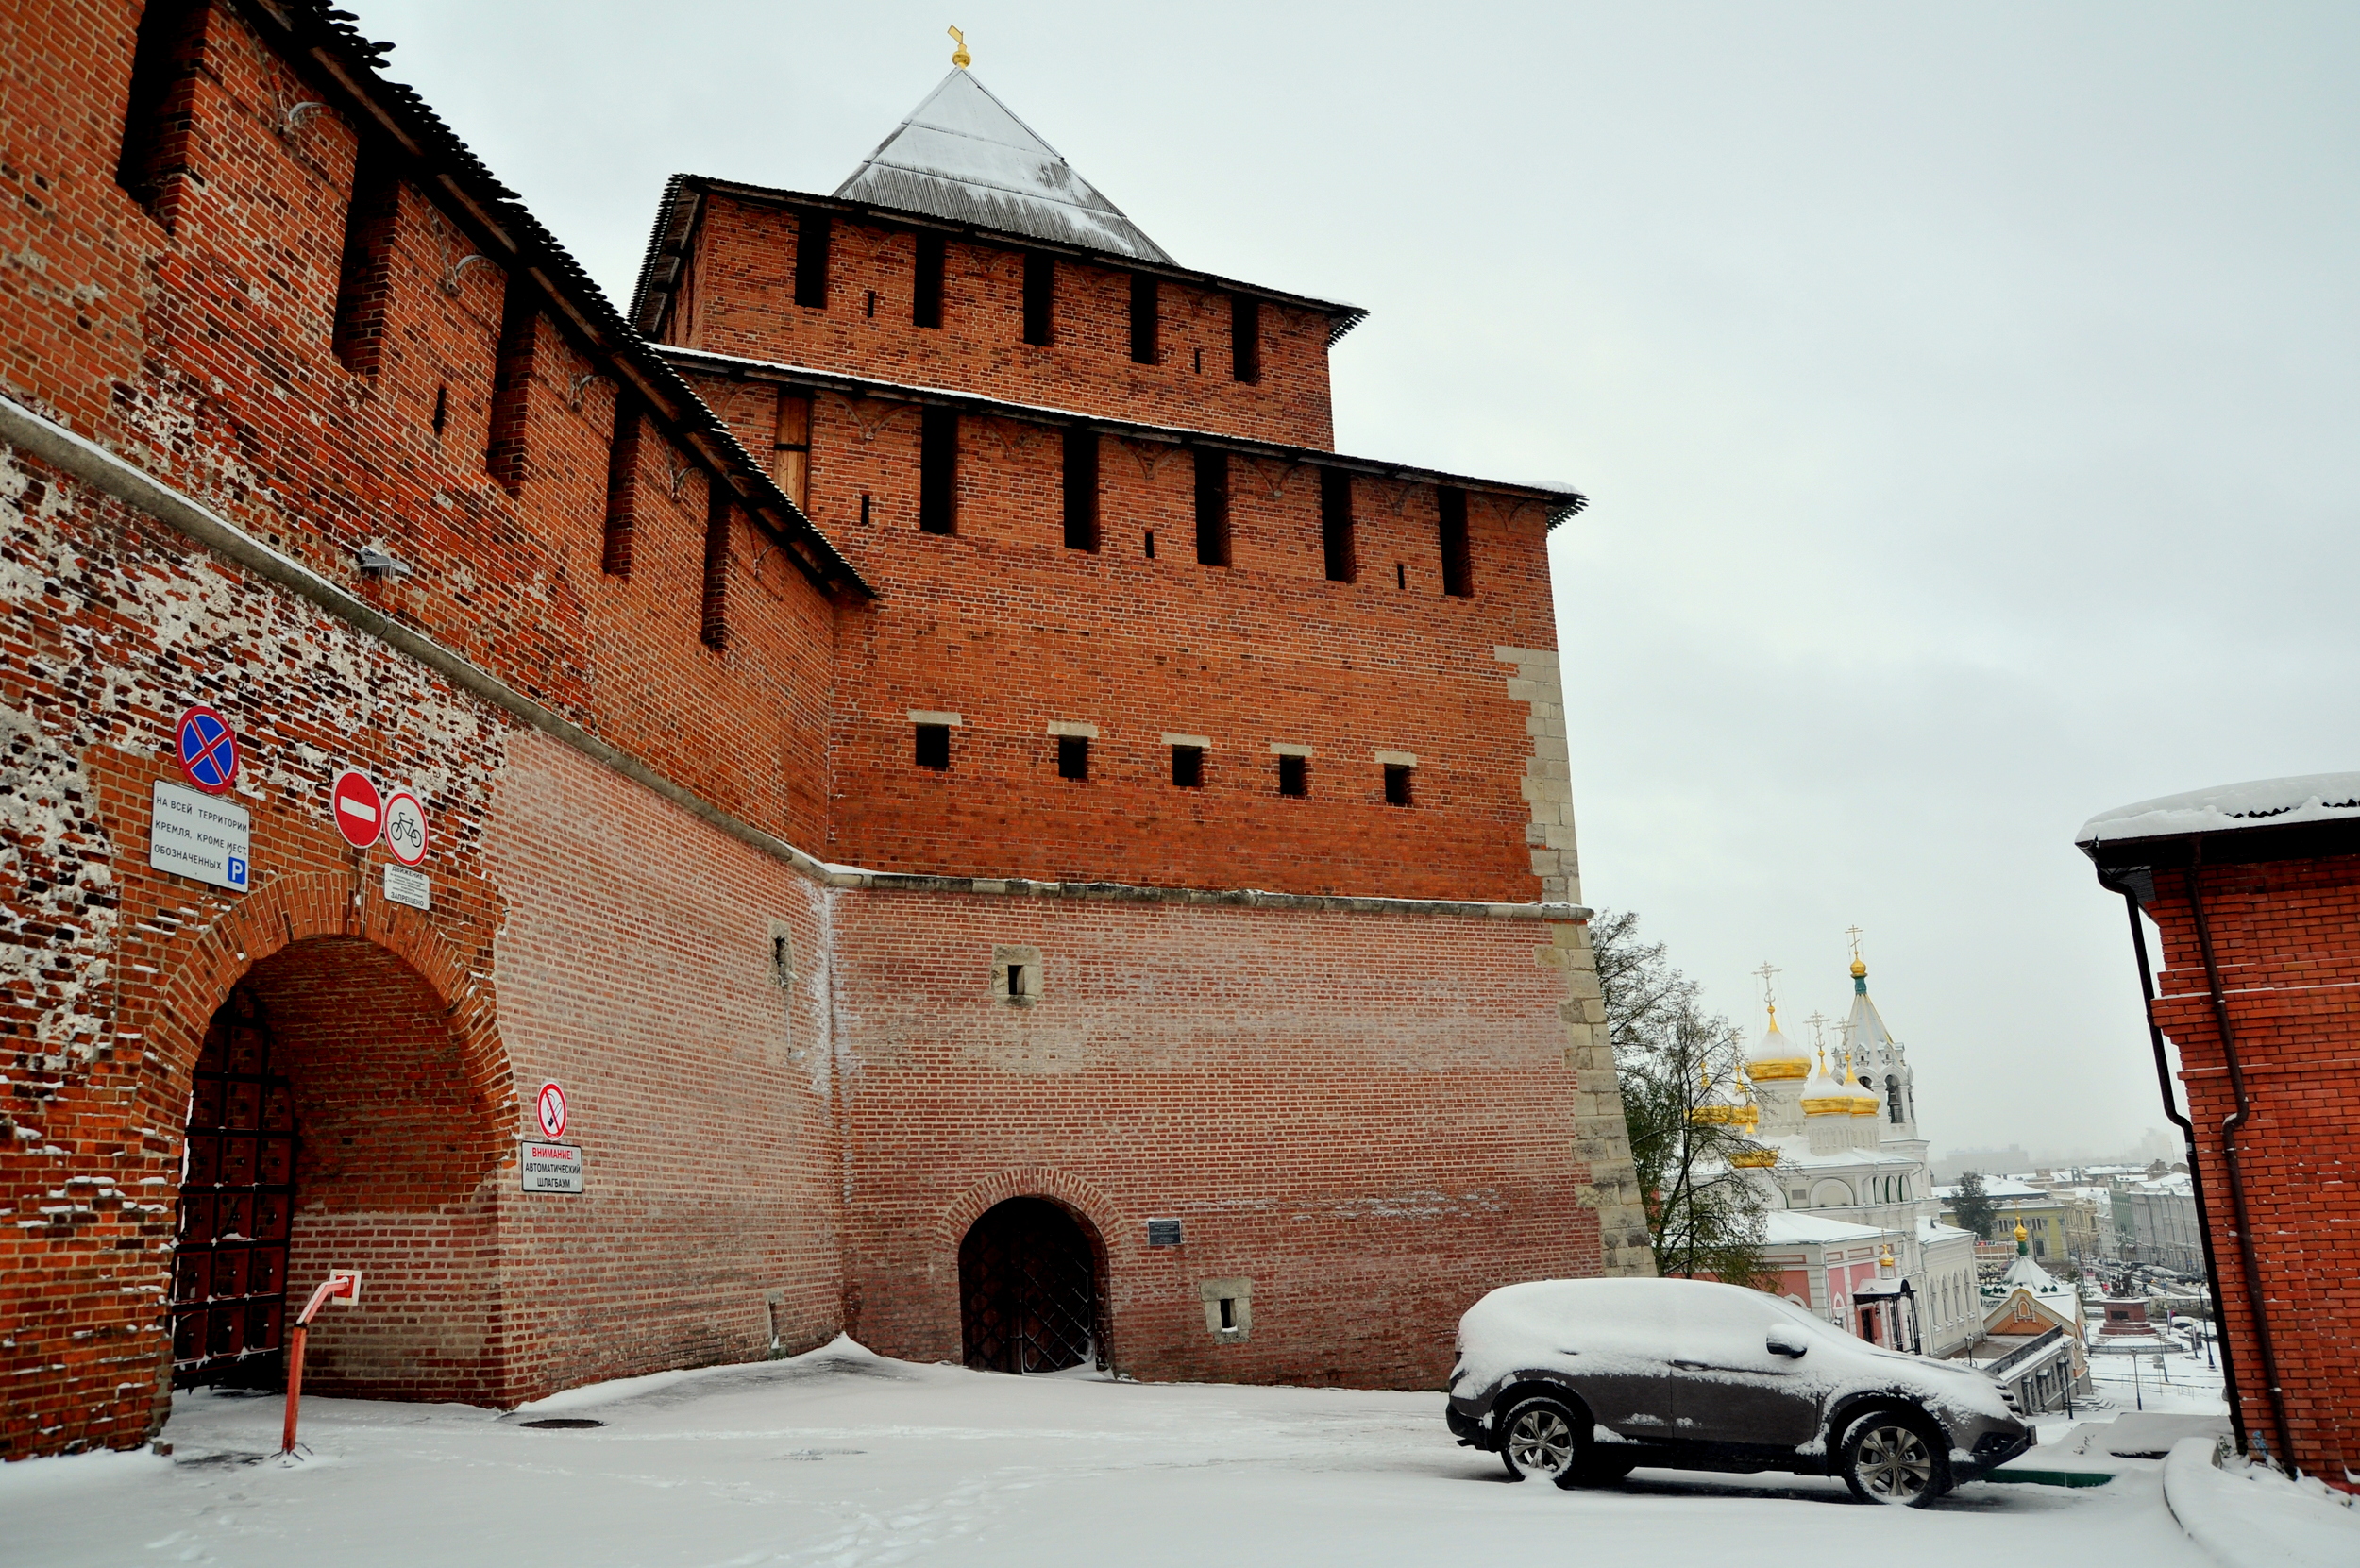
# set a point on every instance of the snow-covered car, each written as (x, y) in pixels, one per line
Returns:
(1584, 1380)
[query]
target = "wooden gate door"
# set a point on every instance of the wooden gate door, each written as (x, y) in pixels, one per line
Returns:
(1028, 1287)
(237, 1199)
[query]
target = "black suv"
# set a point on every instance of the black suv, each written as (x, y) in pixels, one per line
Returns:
(1585, 1380)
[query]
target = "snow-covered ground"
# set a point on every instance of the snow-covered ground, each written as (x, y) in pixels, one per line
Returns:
(842, 1458)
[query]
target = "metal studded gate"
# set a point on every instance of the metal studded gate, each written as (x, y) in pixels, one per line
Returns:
(237, 1201)
(1028, 1289)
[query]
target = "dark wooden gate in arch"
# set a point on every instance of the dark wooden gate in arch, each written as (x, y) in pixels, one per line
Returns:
(1029, 1294)
(237, 1203)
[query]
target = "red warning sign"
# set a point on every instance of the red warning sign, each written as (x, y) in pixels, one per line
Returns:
(358, 810)
(551, 1108)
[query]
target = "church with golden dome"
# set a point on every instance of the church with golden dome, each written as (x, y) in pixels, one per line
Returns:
(1854, 1230)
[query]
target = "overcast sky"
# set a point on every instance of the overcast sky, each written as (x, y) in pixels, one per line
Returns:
(1968, 397)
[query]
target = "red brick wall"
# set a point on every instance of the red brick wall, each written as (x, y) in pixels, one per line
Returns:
(2287, 938)
(1369, 1117)
(740, 299)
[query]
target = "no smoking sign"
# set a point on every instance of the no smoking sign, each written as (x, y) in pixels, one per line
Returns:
(551, 1108)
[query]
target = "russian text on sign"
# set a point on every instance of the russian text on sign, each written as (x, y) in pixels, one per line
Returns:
(191, 834)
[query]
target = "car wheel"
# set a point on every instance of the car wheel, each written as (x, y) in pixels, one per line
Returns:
(1542, 1437)
(1894, 1457)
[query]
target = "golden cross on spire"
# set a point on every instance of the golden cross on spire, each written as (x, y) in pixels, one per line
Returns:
(1819, 1022)
(1854, 933)
(959, 57)
(1769, 992)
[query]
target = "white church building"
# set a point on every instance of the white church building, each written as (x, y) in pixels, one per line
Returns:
(1853, 1231)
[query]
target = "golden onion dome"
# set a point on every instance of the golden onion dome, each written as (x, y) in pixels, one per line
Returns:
(1775, 1056)
(1824, 1095)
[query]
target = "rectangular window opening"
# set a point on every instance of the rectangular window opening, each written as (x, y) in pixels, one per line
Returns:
(863, 508)
(1074, 757)
(1397, 783)
(1151, 543)
(933, 747)
(622, 486)
(938, 471)
(441, 407)
(1212, 507)
(1040, 293)
(1188, 766)
(1458, 576)
(811, 260)
(512, 384)
(1401, 576)
(364, 274)
(790, 451)
(1245, 338)
(1143, 312)
(926, 285)
(1228, 1312)
(1080, 490)
(1295, 776)
(159, 112)
(1336, 533)
(1015, 981)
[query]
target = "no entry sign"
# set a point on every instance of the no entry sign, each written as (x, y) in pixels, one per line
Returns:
(358, 810)
(551, 1108)
(405, 828)
(208, 750)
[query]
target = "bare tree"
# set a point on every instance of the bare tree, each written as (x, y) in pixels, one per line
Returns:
(1678, 1067)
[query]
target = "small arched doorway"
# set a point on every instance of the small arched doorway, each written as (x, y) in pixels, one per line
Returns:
(1030, 1294)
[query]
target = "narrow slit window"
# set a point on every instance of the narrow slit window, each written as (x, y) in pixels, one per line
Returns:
(159, 112)
(714, 631)
(1151, 543)
(1457, 575)
(1230, 1311)
(1295, 776)
(1397, 783)
(926, 287)
(811, 260)
(363, 276)
(1074, 757)
(938, 471)
(1040, 294)
(1212, 507)
(441, 407)
(1143, 312)
(790, 452)
(1245, 338)
(1336, 533)
(933, 747)
(511, 385)
(1080, 490)
(1016, 983)
(1188, 766)
(622, 486)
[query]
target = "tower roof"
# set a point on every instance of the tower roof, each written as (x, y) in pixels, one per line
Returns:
(963, 156)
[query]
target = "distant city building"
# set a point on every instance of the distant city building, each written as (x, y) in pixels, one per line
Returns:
(2157, 1223)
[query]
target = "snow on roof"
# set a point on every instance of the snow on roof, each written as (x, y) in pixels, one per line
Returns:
(1998, 1186)
(2261, 802)
(1934, 1230)
(1782, 1228)
(963, 156)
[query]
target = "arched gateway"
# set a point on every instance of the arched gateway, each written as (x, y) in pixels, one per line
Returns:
(1031, 1296)
(335, 1118)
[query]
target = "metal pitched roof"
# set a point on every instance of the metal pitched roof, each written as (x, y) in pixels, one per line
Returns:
(962, 155)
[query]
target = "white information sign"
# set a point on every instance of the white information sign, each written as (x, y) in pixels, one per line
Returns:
(550, 1166)
(191, 834)
(404, 886)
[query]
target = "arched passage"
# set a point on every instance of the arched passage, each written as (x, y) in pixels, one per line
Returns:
(1032, 1277)
(336, 1120)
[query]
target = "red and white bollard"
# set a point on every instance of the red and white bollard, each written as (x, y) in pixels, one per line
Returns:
(342, 1285)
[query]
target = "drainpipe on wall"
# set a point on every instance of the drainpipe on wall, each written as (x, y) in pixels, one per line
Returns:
(2196, 1170)
(2231, 1125)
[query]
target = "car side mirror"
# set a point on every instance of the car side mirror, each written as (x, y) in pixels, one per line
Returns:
(1780, 1342)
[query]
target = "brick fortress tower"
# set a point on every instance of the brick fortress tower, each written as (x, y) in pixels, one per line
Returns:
(1011, 844)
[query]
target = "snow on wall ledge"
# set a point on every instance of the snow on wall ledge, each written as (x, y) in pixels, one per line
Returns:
(2225, 808)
